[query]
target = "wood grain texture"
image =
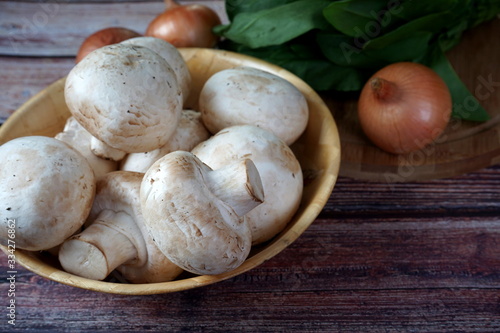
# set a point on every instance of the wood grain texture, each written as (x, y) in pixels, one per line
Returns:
(22, 78)
(57, 28)
(468, 195)
(382, 270)
(398, 275)
(420, 256)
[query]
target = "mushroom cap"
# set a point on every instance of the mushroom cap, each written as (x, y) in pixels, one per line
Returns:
(47, 188)
(77, 137)
(171, 55)
(278, 167)
(188, 134)
(244, 95)
(119, 191)
(126, 96)
(193, 227)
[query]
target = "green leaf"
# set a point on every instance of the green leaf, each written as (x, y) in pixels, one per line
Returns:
(234, 7)
(276, 25)
(431, 23)
(452, 36)
(410, 10)
(338, 45)
(360, 18)
(303, 61)
(465, 105)
(341, 50)
(482, 11)
(407, 49)
(324, 76)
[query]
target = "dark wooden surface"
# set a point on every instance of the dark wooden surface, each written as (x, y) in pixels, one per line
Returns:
(413, 257)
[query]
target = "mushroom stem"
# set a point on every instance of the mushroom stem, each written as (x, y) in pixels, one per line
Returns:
(237, 184)
(102, 150)
(102, 247)
(79, 138)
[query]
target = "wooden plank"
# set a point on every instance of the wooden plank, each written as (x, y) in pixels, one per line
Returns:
(22, 78)
(58, 28)
(473, 194)
(234, 305)
(367, 311)
(382, 253)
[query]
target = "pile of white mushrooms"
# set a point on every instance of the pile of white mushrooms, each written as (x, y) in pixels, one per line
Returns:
(138, 184)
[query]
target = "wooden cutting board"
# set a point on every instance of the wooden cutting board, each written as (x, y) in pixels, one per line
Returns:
(464, 147)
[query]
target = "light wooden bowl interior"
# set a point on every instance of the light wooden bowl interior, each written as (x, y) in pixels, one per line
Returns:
(318, 151)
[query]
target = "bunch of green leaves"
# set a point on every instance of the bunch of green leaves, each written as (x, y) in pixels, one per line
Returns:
(338, 45)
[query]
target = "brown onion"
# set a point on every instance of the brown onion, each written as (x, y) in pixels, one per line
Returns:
(185, 25)
(102, 38)
(404, 107)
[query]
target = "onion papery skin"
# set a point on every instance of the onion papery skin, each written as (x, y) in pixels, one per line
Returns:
(186, 26)
(404, 107)
(107, 36)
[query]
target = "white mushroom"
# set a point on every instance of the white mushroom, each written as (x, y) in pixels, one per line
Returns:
(251, 96)
(278, 167)
(77, 137)
(197, 214)
(188, 134)
(115, 237)
(126, 96)
(46, 191)
(104, 151)
(172, 55)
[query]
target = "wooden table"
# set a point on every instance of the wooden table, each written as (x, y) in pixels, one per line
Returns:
(411, 257)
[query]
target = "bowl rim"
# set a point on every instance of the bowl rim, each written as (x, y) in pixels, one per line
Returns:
(307, 216)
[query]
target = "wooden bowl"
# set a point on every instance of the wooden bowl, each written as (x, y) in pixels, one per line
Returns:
(318, 151)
